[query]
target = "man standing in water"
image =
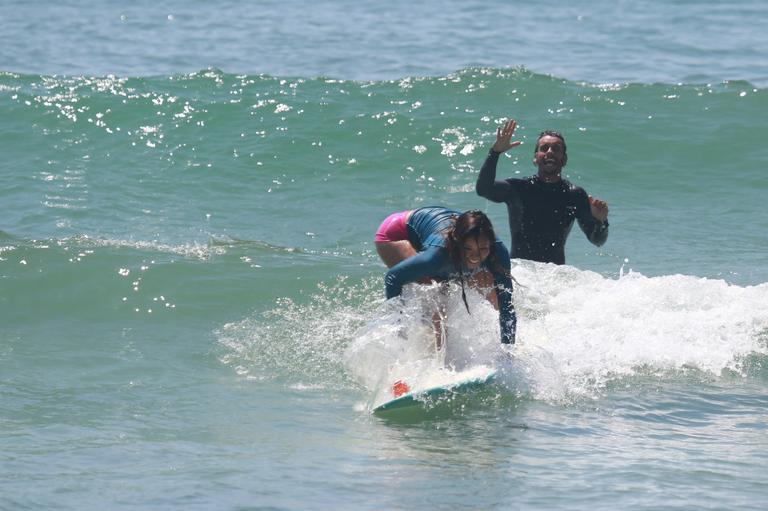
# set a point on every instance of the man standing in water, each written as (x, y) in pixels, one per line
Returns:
(542, 208)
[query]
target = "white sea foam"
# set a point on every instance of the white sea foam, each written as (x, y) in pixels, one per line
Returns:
(578, 332)
(596, 329)
(194, 250)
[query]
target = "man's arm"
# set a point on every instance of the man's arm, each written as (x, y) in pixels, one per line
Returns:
(486, 185)
(593, 220)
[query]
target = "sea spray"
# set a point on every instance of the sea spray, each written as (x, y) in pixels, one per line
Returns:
(578, 333)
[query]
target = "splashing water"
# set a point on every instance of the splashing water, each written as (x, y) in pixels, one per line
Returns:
(582, 332)
(579, 333)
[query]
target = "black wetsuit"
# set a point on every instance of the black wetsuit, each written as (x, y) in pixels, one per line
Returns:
(540, 214)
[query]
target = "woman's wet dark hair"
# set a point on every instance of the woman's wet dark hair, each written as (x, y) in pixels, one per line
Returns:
(472, 224)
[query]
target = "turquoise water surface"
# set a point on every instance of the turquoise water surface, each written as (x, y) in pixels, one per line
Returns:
(192, 312)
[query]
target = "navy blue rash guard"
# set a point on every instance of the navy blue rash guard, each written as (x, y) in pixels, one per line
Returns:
(426, 228)
(541, 214)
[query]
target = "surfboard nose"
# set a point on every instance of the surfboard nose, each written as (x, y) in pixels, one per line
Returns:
(399, 388)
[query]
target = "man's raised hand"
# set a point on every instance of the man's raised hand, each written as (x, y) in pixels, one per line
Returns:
(504, 137)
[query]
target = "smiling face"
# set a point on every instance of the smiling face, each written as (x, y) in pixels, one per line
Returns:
(470, 241)
(476, 250)
(550, 157)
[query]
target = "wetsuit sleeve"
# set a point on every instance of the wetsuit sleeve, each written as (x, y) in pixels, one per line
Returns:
(503, 282)
(424, 264)
(596, 231)
(487, 186)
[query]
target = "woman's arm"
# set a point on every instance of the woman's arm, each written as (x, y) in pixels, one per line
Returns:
(427, 263)
(503, 282)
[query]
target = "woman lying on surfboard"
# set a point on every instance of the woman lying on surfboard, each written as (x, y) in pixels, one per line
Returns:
(436, 243)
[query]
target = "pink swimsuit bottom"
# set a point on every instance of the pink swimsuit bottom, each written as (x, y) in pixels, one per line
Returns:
(393, 228)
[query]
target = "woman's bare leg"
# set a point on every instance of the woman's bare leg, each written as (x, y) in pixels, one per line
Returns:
(437, 326)
(392, 252)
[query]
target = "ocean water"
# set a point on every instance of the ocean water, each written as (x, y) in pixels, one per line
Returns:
(191, 307)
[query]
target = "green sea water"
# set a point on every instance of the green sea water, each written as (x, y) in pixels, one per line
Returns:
(192, 312)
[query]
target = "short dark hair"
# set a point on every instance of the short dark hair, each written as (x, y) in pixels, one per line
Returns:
(551, 133)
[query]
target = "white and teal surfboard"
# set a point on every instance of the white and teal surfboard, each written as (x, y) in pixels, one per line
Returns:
(441, 384)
